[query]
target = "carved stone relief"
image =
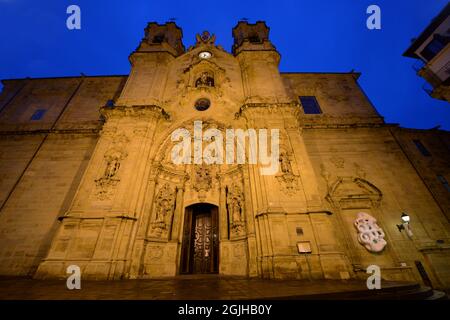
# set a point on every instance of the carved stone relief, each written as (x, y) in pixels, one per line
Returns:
(163, 210)
(286, 177)
(370, 235)
(202, 179)
(205, 80)
(107, 183)
(235, 207)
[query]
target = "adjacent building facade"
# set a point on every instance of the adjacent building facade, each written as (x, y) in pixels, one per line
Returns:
(88, 176)
(432, 50)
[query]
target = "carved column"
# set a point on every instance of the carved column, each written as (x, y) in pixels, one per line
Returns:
(136, 263)
(223, 214)
(178, 214)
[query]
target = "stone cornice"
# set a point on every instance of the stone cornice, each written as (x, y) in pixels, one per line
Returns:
(139, 111)
(270, 108)
(94, 131)
(343, 125)
(326, 120)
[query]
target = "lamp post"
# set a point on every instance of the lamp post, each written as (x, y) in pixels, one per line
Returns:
(405, 224)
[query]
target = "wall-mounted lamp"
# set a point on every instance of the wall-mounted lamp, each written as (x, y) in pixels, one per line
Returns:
(405, 224)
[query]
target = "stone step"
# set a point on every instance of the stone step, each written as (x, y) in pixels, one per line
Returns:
(401, 292)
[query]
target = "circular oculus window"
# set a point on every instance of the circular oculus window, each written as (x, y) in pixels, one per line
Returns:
(202, 104)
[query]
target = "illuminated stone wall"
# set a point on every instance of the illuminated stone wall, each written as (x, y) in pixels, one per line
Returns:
(94, 184)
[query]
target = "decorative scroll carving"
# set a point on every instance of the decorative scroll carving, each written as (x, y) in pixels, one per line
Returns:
(164, 207)
(235, 207)
(287, 178)
(370, 235)
(205, 38)
(202, 179)
(107, 183)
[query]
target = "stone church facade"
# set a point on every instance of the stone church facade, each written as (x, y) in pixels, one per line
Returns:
(87, 176)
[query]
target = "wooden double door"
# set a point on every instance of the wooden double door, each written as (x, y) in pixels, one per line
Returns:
(200, 248)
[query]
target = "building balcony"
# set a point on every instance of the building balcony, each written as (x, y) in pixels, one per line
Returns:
(437, 74)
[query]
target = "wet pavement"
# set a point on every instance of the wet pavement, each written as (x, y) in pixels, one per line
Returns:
(185, 288)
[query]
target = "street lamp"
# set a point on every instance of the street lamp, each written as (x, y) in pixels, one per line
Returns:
(405, 224)
(405, 217)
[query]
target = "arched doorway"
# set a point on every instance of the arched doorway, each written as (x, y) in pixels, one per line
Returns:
(200, 247)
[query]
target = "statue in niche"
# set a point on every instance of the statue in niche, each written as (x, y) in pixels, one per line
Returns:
(287, 178)
(285, 164)
(164, 206)
(163, 210)
(112, 167)
(205, 80)
(370, 235)
(235, 205)
(235, 208)
(109, 180)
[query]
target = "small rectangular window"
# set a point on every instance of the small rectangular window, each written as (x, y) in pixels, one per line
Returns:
(38, 114)
(158, 39)
(254, 38)
(434, 47)
(422, 148)
(444, 182)
(310, 105)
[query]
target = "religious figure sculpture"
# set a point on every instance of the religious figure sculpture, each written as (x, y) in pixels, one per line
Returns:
(164, 206)
(235, 204)
(286, 175)
(112, 167)
(205, 80)
(109, 180)
(285, 164)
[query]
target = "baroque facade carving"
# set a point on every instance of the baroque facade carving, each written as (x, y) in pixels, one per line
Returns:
(164, 205)
(202, 178)
(286, 177)
(141, 232)
(108, 181)
(235, 207)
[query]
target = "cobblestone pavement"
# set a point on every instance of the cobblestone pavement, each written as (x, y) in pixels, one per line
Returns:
(213, 288)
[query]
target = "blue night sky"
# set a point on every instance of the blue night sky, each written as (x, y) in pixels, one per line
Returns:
(311, 35)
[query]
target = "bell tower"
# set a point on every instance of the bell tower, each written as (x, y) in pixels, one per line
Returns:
(160, 45)
(166, 37)
(259, 62)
